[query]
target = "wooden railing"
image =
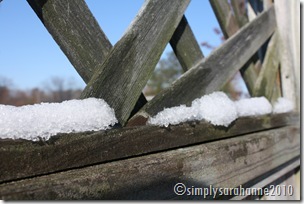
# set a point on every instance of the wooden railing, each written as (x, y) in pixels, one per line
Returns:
(145, 162)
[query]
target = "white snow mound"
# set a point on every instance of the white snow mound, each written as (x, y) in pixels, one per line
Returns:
(216, 108)
(253, 106)
(47, 119)
(283, 105)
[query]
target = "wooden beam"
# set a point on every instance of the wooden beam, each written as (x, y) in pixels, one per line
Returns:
(272, 176)
(185, 46)
(120, 80)
(230, 24)
(225, 17)
(21, 158)
(78, 34)
(267, 77)
(76, 31)
(224, 163)
(239, 8)
(213, 72)
(288, 22)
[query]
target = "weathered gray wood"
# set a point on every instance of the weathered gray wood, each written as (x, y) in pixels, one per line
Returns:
(185, 46)
(224, 163)
(213, 72)
(240, 11)
(267, 77)
(120, 80)
(78, 34)
(288, 21)
(230, 25)
(76, 31)
(273, 177)
(22, 159)
(225, 17)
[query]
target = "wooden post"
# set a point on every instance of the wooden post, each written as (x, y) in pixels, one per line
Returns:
(288, 23)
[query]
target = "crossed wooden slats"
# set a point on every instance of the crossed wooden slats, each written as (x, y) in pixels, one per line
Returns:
(119, 74)
(87, 50)
(213, 72)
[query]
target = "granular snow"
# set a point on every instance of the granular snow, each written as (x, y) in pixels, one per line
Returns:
(216, 108)
(283, 105)
(253, 106)
(47, 119)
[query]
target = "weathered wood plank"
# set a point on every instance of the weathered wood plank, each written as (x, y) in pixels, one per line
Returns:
(213, 72)
(225, 17)
(78, 34)
(230, 25)
(185, 46)
(267, 77)
(288, 21)
(240, 11)
(76, 31)
(224, 163)
(272, 176)
(22, 159)
(122, 77)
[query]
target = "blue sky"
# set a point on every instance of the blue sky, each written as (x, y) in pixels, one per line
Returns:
(29, 56)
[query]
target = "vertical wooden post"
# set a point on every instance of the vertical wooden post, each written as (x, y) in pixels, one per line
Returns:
(288, 23)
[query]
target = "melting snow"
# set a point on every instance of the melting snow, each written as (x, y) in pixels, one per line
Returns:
(47, 119)
(218, 109)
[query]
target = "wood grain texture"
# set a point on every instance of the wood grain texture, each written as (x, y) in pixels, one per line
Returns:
(78, 34)
(21, 158)
(185, 46)
(76, 31)
(224, 163)
(230, 24)
(240, 12)
(225, 17)
(288, 23)
(122, 77)
(267, 77)
(272, 177)
(212, 73)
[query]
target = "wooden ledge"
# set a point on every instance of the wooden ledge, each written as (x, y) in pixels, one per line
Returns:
(22, 158)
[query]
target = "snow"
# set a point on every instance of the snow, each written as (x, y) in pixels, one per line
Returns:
(219, 110)
(216, 108)
(283, 105)
(47, 119)
(173, 116)
(253, 106)
(33, 122)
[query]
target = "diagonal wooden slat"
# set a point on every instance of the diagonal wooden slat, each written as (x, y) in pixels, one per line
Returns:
(185, 46)
(76, 31)
(239, 8)
(266, 81)
(120, 80)
(225, 17)
(230, 24)
(213, 72)
(78, 34)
